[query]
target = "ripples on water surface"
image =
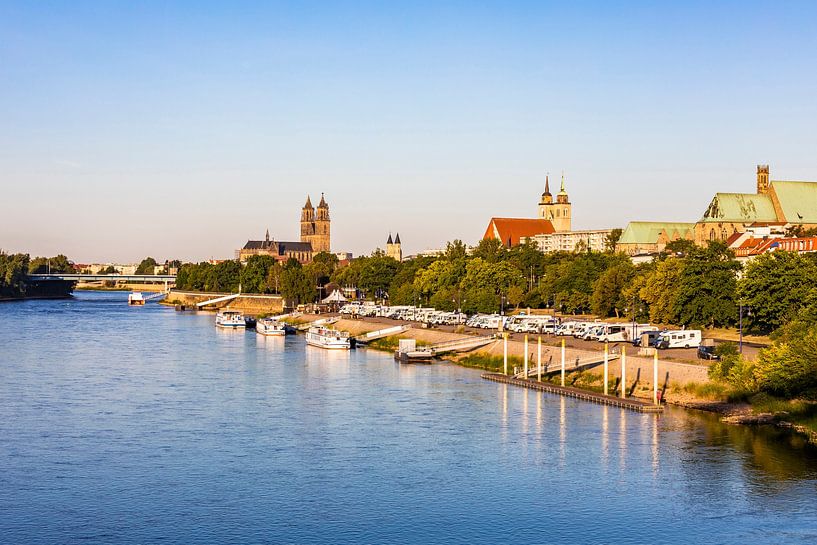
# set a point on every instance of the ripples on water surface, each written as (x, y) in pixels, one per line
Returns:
(141, 425)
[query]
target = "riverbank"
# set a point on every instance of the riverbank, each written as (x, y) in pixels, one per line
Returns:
(681, 384)
(254, 305)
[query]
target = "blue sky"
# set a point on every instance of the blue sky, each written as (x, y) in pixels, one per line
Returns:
(182, 129)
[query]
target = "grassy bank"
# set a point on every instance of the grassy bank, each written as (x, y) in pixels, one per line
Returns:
(390, 344)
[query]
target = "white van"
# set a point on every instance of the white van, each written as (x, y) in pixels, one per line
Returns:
(685, 338)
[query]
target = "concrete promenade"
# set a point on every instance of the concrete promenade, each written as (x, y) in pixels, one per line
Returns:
(638, 368)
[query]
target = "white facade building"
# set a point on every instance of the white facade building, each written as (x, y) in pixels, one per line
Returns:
(571, 241)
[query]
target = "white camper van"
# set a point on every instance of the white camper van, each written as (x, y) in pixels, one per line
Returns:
(685, 338)
(614, 333)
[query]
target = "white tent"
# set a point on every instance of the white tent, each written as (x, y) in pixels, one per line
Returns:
(335, 297)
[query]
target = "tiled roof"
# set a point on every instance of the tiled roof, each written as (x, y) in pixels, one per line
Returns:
(258, 244)
(278, 247)
(509, 231)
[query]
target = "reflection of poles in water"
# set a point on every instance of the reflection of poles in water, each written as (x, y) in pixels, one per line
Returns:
(654, 445)
(622, 440)
(605, 435)
(562, 430)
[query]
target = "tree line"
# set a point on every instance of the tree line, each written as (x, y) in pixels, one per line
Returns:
(686, 285)
(15, 267)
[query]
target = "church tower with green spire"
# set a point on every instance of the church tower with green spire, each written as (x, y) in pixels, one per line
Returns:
(558, 212)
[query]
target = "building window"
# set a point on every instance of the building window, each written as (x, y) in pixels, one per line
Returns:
(712, 234)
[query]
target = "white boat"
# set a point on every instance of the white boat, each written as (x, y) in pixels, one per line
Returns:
(135, 298)
(332, 339)
(270, 327)
(230, 319)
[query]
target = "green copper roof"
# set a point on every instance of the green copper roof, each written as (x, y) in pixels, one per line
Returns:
(647, 232)
(798, 200)
(740, 208)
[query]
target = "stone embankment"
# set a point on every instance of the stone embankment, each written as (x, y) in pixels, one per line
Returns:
(249, 304)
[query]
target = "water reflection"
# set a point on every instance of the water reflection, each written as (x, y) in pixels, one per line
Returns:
(605, 437)
(622, 440)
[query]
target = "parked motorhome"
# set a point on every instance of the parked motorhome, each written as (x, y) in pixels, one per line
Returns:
(647, 339)
(566, 329)
(685, 338)
(624, 332)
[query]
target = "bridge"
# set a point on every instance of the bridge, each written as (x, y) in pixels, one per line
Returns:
(129, 278)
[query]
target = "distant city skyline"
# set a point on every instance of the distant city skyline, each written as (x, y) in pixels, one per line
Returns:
(181, 131)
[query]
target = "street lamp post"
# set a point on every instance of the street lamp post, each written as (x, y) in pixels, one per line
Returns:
(741, 310)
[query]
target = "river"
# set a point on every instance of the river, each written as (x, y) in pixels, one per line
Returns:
(143, 425)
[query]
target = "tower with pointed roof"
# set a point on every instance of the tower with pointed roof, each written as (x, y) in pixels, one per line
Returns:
(315, 225)
(394, 248)
(559, 212)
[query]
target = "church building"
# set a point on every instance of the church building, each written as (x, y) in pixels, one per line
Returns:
(775, 203)
(315, 237)
(557, 213)
(394, 249)
(551, 230)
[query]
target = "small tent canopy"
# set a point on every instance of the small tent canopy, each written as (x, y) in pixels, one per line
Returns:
(335, 297)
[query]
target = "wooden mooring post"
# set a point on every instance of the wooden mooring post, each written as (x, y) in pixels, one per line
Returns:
(505, 351)
(539, 360)
(563, 362)
(623, 372)
(606, 366)
(526, 357)
(655, 377)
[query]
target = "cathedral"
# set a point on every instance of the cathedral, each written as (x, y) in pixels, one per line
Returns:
(394, 248)
(315, 225)
(315, 237)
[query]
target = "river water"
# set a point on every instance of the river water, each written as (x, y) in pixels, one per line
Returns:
(143, 425)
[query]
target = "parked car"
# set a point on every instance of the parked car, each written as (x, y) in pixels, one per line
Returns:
(707, 353)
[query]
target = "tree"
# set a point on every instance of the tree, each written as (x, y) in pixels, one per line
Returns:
(296, 285)
(455, 250)
(110, 269)
(274, 277)
(225, 276)
(681, 247)
(13, 269)
(376, 273)
(776, 286)
(660, 291)
(489, 249)
(611, 240)
(789, 366)
(56, 264)
(707, 287)
(515, 295)
(254, 274)
(608, 297)
(147, 266)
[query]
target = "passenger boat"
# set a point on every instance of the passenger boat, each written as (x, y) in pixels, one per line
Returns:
(230, 319)
(135, 299)
(332, 339)
(270, 327)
